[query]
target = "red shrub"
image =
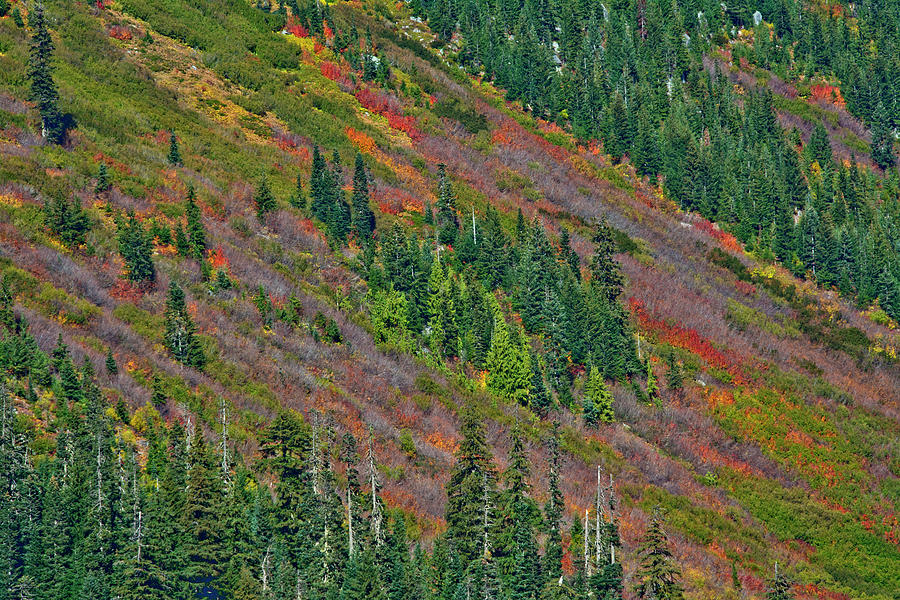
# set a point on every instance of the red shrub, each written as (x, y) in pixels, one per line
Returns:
(331, 70)
(125, 290)
(120, 32)
(728, 241)
(687, 338)
(405, 124)
(376, 102)
(748, 289)
(295, 28)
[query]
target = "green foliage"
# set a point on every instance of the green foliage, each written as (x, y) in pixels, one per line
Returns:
(657, 576)
(174, 155)
(180, 332)
(674, 373)
(103, 183)
(388, 314)
(263, 198)
(508, 361)
(136, 248)
(40, 73)
(597, 402)
(112, 367)
(452, 108)
(144, 323)
(67, 220)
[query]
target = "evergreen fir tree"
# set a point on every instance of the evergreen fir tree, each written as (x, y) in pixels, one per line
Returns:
(174, 156)
(509, 371)
(363, 217)
(471, 482)
(606, 274)
(136, 248)
(263, 198)
(157, 391)
(320, 187)
(102, 179)
(40, 73)
(658, 575)
(112, 367)
(674, 374)
(203, 508)
(298, 198)
(778, 588)
(182, 244)
(597, 399)
(195, 231)
(181, 333)
(882, 140)
(67, 220)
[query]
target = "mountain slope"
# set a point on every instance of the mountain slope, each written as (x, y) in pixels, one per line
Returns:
(781, 446)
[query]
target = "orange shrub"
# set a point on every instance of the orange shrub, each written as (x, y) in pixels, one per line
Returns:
(829, 93)
(120, 32)
(217, 259)
(365, 143)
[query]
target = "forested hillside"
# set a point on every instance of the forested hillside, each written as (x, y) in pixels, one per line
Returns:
(449, 299)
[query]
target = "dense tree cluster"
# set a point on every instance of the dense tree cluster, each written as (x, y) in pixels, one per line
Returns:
(632, 74)
(456, 294)
(89, 513)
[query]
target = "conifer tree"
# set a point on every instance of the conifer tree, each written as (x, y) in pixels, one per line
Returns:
(40, 73)
(658, 575)
(181, 333)
(363, 217)
(882, 140)
(174, 156)
(606, 274)
(182, 244)
(203, 508)
(447, 219)
(320, 187)
(195, 231)
(340, 217)
(597, 399)
(819, 147)
(508, 361)
(264, 306)
(67, 220)
(471, 483)
(136, 248)
(263, 198)
(102, 179)
(674, 374)
(111, 366)
(778, 588)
